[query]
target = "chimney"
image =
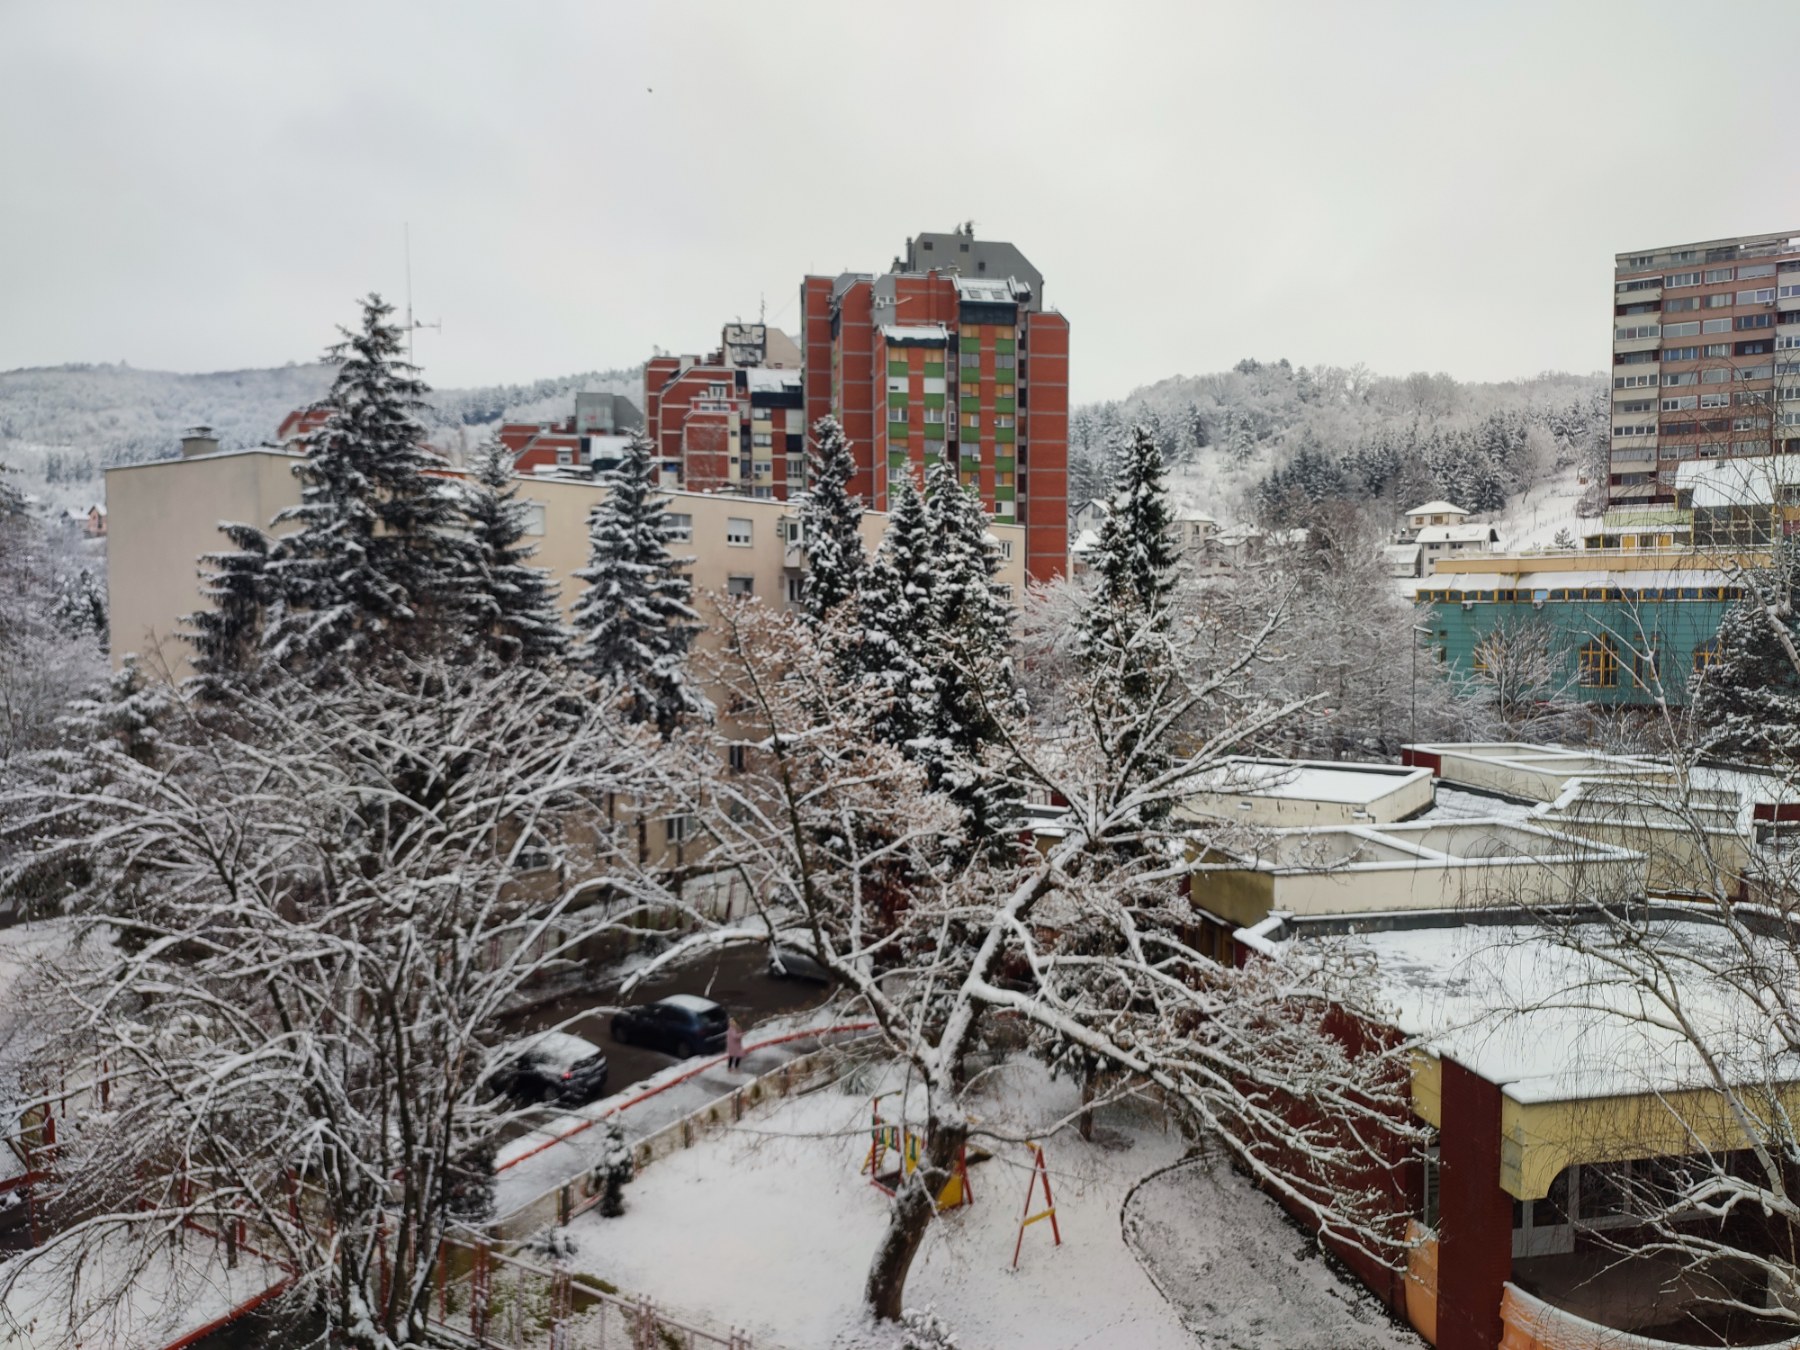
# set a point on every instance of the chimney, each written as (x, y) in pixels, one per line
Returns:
(198, 441)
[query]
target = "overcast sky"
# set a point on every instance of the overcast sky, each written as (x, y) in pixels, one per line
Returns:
(1433, 186)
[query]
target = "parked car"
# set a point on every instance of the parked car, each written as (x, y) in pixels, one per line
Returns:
(787, 964)
(554, 1067)
(681, 1025)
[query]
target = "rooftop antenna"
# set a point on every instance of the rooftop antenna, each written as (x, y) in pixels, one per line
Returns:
(412, 324)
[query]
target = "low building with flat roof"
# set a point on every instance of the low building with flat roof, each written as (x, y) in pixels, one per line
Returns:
(1287, 792)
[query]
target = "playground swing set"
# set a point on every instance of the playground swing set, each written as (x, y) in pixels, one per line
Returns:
(886, 1137)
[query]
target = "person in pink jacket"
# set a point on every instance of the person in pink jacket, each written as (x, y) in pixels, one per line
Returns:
(734, 1045)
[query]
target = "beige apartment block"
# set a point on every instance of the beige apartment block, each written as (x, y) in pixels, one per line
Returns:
(164, 516)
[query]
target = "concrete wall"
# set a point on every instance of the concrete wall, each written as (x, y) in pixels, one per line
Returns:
(165, 515)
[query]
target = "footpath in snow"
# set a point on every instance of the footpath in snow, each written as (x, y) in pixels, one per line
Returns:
(771, 1225)
(1243, 1276)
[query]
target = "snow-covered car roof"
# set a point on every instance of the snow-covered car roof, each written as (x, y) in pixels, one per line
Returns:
(689, 1002)
(557, 1047)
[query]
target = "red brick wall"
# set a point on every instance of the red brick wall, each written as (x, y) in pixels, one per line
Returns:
(706, 451)
(1474, 1214)
(1044, 442)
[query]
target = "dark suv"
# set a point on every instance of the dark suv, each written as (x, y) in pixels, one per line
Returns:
(680, 1025)
(552, 1067)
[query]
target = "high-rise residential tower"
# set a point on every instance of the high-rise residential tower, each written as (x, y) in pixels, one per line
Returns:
(1706, 359)
(950, 352)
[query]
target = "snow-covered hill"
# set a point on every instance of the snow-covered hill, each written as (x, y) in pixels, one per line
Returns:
(1237, 438)
(61, 427)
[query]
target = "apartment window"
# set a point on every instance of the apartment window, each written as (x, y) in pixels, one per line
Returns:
(1633, 358)
(971, 421)
(1599, 665)
(1681, 354)
(1717, 375)
(934, 415)
(1716, 326)
(1716, 274)
(1682, 279)
(1756, 348)
(934, 384)
(1006, 550)
(1675, 381)
(1762, 296)
(1788, 292)
(678, 527)
(761, 438)
(1749, 424)
(1751, 397)
(796, 589)
(737, 757)
(1688, 329)
(1716, 349)
(1787, 342)
(1644, 261)
(1005, 361)
(898, 384)
(1645, 330)
(1675, 306)
(1745, 321)
(531, 518)
(738, 531)
(1721, 301)
(1755, 270)
(1680, 404)
(740, 585)
(1747, 374)
(1636, 405)
(1002, 420)
(1638, 429)
(1718, 400)
(1705, 655)
(968, 360)
(717, 391)
(1634, 382)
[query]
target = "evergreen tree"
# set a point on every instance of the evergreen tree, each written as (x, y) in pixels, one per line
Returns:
(1748, 700)
(830, 520)
(1134, 565)
(81, 607)
(969, 655)
(894, 620)
(227, 636)
(510, 605)
(375, 558)
(1124, 640)
(635, 622)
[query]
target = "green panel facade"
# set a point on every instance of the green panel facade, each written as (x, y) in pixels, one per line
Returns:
(1673, 628)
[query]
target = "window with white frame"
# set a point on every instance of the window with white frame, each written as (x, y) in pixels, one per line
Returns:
(740, 585)
(796, 589)
(1006, 550)
(531, 518)
(678, 527)
(738, 531)
(934, 416)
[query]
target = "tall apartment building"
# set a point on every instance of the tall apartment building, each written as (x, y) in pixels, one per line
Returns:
(950, 352)
(1706, 359)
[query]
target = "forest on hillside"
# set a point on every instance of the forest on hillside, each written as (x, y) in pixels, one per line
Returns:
(62, 427)
(1273, 442)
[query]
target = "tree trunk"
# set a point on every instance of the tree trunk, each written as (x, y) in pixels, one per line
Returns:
(1087, 1101)
(915, 1203)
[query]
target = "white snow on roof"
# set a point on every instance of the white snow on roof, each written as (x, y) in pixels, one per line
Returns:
(690, 1002)
(761, 381)
(915, 333)
(1400, 552)
(1737, 482)
(1458, 534)
(1437, 509)
(1306, 780)
(1085, 542)
(990, 291)
(1548, 1023)
(1195, 517)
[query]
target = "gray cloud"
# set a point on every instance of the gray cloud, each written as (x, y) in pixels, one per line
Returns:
(200, 186)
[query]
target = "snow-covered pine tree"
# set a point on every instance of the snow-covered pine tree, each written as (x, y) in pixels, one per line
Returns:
(511, 605)
(375, 554)
(1747, 703)
(1134, 565)
(894, 621)
(830, 521)
(226, 637)
(635, 622)
(969, 656)
(1124, 634)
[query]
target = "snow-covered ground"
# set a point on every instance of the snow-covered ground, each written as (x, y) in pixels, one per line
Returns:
(1534, 517)
(1243, 1277)
(184, 1289)
(770, 1227)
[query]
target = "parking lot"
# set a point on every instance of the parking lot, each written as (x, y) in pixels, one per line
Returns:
(736, 977)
